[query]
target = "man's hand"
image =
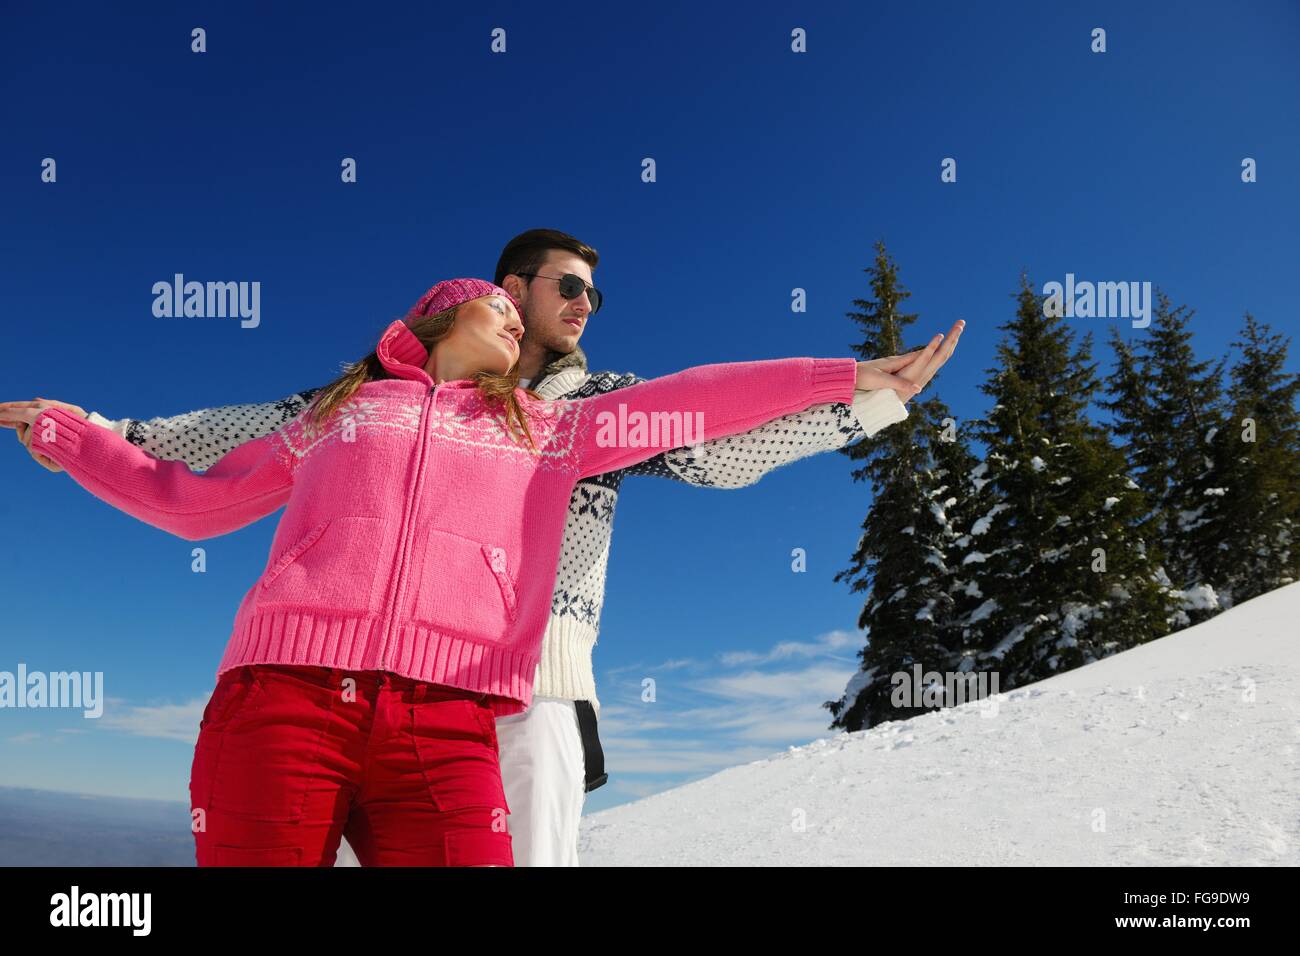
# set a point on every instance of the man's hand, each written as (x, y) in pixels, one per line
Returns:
(914, 369)
(20, 416)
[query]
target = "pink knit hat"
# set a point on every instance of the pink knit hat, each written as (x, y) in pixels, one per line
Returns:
(452, 292)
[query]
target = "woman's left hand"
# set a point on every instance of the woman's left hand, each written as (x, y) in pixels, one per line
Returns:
(914, 369)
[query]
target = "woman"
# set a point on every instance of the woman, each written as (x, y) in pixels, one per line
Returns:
(367, 664)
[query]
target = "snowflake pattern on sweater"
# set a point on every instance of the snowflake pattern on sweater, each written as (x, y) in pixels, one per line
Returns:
(471, 423)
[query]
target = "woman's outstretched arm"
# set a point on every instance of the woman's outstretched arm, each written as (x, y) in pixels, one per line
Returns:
(252, 480)
(622, 427)
(715, 401)
(740, 460)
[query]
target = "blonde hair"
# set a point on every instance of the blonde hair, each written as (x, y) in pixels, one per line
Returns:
(498, 390)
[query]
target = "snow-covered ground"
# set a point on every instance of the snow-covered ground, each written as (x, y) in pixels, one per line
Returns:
(1185, 751)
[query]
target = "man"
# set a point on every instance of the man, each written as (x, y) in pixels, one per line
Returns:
(550, 754)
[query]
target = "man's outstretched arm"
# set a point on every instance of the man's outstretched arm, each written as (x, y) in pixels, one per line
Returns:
(740, 460)
(200, 438)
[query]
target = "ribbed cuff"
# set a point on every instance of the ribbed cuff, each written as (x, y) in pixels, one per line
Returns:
(877, 408)
(65, 441)
(833, 380)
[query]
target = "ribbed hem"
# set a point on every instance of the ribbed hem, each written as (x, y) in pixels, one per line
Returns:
(68, 429)
(350, 642)
(565, 668)
(877, 408)
(833, 380)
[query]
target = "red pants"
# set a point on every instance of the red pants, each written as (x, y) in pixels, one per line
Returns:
(290, 759)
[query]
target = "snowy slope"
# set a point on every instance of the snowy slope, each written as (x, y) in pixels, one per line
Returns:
(1152, 756)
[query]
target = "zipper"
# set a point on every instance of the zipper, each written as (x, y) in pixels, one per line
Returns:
(408, 514)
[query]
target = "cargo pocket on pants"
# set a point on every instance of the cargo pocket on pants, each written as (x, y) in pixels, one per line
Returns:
(243, 856)
(476, 848)
(457, 746)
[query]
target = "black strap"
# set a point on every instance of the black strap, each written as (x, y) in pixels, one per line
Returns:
(593, 757)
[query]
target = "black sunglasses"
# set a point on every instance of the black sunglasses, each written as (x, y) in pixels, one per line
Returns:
(571, 287)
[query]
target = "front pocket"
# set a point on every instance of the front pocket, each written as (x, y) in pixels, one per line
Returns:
(335, 565)
(462, 586)
(231, 703)
(236, 687)
(270, 752)
(291, 554)
(489, 721)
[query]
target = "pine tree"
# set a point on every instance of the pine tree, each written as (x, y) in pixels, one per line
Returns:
(970, 508)
(1066, 576)
(1134, 423)
(1167, 405)
(962, 503)
(900, 558)
(1248, 543)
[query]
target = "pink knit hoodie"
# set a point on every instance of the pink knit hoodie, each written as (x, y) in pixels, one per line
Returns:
(419, 537)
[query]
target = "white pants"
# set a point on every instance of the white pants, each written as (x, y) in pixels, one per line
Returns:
(544, 776)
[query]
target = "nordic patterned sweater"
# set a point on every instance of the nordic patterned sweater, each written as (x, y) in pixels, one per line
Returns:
(199, 438)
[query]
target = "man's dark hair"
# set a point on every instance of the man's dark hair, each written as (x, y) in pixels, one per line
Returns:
(527, 251)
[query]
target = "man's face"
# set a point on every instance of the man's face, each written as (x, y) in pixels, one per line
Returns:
(550, 319)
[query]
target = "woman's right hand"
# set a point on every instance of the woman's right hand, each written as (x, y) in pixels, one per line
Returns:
(20, 415)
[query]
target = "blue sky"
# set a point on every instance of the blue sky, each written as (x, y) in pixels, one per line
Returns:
(775, 170)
